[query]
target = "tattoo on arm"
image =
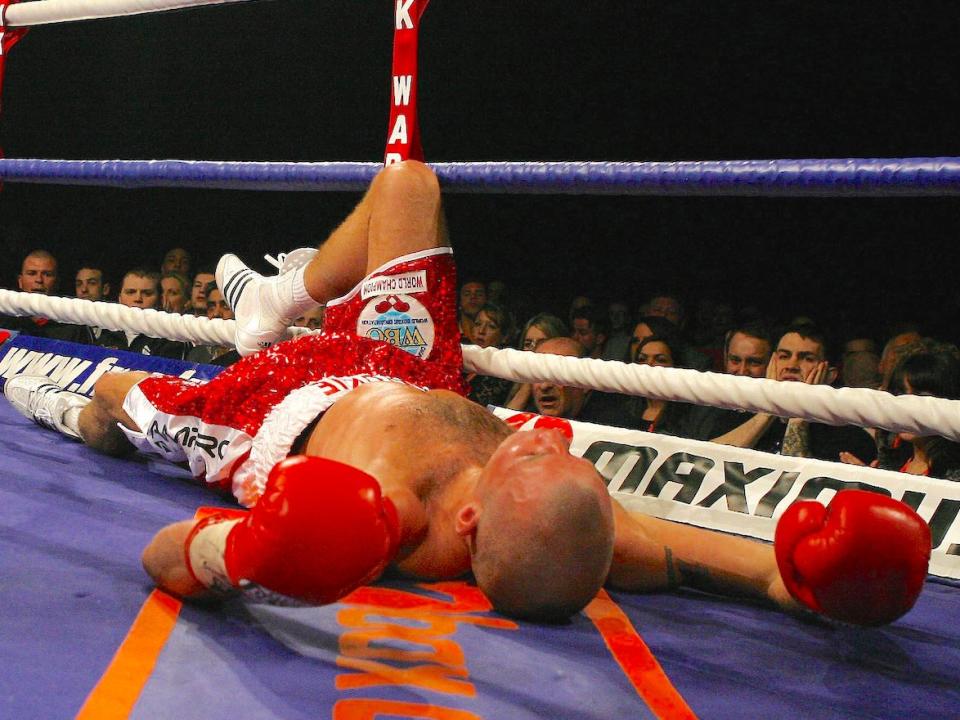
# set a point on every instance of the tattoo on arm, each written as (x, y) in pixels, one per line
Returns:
(796, 439)
(699, 577)
(690, 575)
(673, 582)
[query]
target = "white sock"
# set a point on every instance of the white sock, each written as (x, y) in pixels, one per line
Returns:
(292, 296)
(71, 419)
(301, 298)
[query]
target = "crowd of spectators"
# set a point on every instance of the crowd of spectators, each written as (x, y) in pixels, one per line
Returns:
(737, 341)
(656, 331)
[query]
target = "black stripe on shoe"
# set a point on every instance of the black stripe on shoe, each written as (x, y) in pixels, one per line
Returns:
(233, 288)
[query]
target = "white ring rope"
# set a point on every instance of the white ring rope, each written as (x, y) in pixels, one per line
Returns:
(113, 316)
(819, 403)
(46, 12)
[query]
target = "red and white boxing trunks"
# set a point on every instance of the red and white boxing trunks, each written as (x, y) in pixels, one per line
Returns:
(398, 325)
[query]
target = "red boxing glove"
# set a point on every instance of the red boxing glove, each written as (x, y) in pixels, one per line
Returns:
(320, 530)
(862, 559)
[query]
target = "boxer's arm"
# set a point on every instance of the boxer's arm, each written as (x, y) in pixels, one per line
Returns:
(652, 554)
(165, 562)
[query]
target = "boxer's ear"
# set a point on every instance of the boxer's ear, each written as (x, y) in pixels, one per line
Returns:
(467, 518)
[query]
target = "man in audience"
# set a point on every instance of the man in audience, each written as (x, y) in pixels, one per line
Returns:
(38, 274)
(90, 283)
(590, 330)
(667, 306)
(801, 356)
(573, 403)
(473, 296)
(140, 288)
(198, 297)
(579, 302)
(618, 336)
(176, 260)
(746, 353)
(861, 363)
(555, 400)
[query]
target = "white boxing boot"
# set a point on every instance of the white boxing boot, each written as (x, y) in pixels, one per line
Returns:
(264, 307)
(39, 398)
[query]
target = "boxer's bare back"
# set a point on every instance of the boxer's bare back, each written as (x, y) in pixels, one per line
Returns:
(426, 449)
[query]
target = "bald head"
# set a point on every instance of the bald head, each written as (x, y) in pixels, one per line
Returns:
(562, 346)
(543, 525)
(555, 400)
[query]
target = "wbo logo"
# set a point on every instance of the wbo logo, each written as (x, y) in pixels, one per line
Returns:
(400, 320)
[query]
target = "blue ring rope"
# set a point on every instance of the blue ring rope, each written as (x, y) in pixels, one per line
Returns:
(877, 177)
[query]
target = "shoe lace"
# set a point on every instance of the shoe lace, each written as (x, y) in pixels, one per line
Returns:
(288, 262)
(277, 261)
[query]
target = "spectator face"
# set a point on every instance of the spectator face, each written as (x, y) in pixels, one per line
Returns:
(747, 356)
(617, 312)
(174, 298)
(473, 296)
(38, 274)
(797, 357)
(585, 334)
(139, 291)
(176, 260)
(861, 364)
(312, 319)
(666, 307)
(655, 354)
(198, 295)
(217, 307)
(496, 291)
(641, 332)
(888, 359)
(90, 285)
(557, 400)
(578, 303)
(533, 338)
(487, 331)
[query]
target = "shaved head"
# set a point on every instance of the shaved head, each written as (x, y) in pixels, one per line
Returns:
(542, 523)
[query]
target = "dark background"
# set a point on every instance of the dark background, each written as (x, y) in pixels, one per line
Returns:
(678, 80)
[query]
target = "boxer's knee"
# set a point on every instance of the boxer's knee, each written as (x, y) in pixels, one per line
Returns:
(111, 389)
(98, 420)
(410, 182)
(99, 430)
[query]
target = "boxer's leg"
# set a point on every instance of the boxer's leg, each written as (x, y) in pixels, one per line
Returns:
(400, 214)
(98, 420)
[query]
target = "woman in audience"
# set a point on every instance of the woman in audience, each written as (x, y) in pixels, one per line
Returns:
(493, 326)
(649, 326)
(658, 416)
(174, 293)
(542, 326)
(933, 370)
